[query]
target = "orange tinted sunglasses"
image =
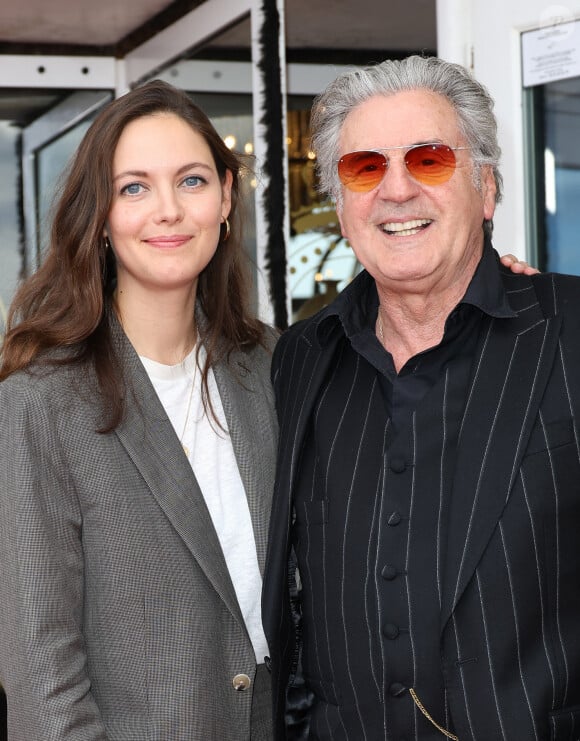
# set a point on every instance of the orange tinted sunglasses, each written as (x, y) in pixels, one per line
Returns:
(429, 164)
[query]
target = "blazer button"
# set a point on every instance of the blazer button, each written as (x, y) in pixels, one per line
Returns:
(396, 689)
(398, 465)
(390, 631)
(394, 519)
(241, 682)
(389, 572)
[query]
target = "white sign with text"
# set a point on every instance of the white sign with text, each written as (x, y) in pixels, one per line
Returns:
(551, 53)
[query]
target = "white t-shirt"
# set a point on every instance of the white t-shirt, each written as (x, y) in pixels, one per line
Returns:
(210, 453)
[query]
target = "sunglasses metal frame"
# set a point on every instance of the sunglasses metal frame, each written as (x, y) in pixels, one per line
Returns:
(408, 148)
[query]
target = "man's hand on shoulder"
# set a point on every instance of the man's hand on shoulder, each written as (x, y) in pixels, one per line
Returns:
(517, 266)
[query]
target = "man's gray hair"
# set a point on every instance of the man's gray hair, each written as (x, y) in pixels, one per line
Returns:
(471, 101)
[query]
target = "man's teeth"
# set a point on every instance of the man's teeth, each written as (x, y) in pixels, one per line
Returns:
(405, 228)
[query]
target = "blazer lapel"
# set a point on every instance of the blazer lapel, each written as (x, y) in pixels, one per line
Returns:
(150, 440)
(509, 376)
(248, 404)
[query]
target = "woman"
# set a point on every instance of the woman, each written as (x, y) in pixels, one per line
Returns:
(137, 457)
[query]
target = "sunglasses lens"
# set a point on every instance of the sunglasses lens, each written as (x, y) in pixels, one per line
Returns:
(431, 164)
(362, 171)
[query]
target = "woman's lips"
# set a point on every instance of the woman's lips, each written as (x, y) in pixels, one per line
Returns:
(168, 242)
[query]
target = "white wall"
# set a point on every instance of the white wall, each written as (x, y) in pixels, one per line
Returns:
(484, 35)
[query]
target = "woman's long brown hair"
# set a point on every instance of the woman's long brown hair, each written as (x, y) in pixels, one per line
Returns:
(64, 303)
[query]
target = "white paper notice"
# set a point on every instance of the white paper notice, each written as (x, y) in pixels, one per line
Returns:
(551, 53)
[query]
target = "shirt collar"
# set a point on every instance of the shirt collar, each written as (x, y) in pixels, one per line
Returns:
(356, 306)
(486, 290)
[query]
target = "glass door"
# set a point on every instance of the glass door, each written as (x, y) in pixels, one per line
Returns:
(47, 145)
(10, 221)
(553, 161)
(562, 175)
(38, 133)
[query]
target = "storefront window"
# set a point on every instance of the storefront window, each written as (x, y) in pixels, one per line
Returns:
(553, 122)
(320, 261)
(10, 238)
(562, 175)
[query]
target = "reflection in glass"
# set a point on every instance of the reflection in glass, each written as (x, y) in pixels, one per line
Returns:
(320, 261)
(562, 175)
(232, 117)
(10, 259)
(52, 161)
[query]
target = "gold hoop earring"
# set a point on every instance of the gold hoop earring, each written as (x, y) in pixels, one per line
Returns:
(226, 236)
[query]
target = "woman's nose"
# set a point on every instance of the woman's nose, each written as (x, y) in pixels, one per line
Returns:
(169, 206)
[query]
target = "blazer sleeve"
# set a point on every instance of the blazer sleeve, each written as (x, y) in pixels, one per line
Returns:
(43, 663)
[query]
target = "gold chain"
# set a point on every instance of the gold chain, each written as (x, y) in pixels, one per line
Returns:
(380, 323)
(419, 704)
(416, 700)
(185, 448)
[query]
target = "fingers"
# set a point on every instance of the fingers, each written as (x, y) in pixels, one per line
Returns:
(517, 266)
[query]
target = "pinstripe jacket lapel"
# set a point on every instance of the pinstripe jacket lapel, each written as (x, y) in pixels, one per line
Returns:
(150, 440)
(308, 373)
(508, 380)
(294, 401)
(306, 364)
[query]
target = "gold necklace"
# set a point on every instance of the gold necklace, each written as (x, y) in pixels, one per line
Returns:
(185, 448)
(380, 326)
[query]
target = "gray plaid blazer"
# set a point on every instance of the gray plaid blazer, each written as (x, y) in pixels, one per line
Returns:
(118, 618)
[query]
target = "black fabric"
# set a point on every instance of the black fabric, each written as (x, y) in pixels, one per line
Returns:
(273, 165)
(508, 555)
(384, 463)
(3, 716)
(369, 507)
(261, 714)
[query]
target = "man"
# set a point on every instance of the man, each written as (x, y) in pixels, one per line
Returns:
(423, 577)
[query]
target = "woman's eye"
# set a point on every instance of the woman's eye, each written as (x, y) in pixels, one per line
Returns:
(191, 181)
(132, 189)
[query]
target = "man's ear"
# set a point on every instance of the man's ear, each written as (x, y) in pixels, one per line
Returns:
(489, 192)
(340, 221)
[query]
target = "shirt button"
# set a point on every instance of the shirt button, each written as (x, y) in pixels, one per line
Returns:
(390, 631)
(389, 572)
(394, 519)
(241, 682)
(398, 465)
(396, 689)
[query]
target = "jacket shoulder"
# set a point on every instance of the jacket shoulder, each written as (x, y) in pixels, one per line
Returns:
(41, 381)
(557, 293)
(300, 336)
(305, 329)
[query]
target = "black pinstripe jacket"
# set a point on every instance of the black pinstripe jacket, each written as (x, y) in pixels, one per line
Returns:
(510, 615)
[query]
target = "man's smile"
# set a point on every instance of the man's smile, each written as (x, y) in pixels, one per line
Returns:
(405, 228)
